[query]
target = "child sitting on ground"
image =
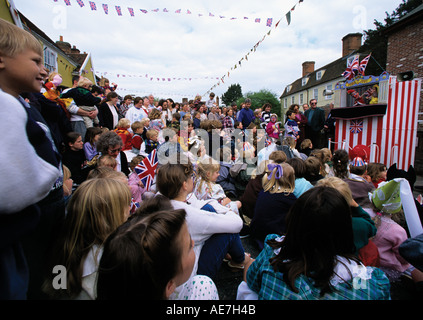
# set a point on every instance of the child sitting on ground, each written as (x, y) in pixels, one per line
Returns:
(360, 187)
(213, 234)
(306, 147)
(273, 202)
(377, 173)
(134, 182)
(123, 132)
(137, 140)
(91, 137)
(207, 188)
(151, 143)
(107, 161)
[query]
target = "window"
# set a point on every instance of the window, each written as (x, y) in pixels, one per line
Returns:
(292, 99)
(315, 93)
(328, 87)
(50, 59)
(285, 101)
(301, 98)
(304, 81)
(319, 75)
(288, 88)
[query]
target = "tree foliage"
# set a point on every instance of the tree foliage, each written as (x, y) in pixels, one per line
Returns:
(233, 93)
(258, 99)
(376, 41)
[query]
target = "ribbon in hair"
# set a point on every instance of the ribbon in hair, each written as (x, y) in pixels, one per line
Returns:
(278, 172)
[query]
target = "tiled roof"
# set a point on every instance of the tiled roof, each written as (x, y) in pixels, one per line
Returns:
(333, 71)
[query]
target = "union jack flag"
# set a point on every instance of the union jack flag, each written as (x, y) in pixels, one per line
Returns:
(131, 11)
(134, 206)
(269, 22)
(178, 11)
(119, 11)
(188, 12)
(355, 64)
(92, 5)
(146, 169)
(363, 64)
(143, 10)
(67, 2)
(257, 20)
(106, 8)
(356, 126)
(352, 66)
(80, 2)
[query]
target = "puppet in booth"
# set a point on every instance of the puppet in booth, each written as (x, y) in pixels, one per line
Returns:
(368, 97)
(358, 100)
(371, 95)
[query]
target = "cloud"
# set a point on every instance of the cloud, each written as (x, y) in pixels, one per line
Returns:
(172, 45)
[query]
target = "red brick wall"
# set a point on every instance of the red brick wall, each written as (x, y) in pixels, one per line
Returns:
(405, 53)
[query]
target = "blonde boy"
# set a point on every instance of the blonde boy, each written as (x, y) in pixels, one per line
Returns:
(29, 153)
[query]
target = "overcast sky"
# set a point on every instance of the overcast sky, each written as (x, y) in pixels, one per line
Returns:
(201, 47)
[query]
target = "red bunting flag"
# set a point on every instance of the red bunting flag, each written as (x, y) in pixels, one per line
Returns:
(93, 6)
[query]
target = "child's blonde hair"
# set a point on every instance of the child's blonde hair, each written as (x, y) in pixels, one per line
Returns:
(107, 161)
(306, 144)
(338, 184)
(152, 133)
(96, 209)
(137, 125)
(291, 142)
(204, 170)
(83, 81)
(274, 184)
(14, 40)
(124, 123)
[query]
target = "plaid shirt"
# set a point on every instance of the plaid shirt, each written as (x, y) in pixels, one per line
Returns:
(270, 285)
(227, 123)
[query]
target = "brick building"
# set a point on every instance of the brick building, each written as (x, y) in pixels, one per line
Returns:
(405, 53)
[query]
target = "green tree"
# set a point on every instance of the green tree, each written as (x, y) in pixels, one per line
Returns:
(376, 41)
(258, 99)
(233, 93)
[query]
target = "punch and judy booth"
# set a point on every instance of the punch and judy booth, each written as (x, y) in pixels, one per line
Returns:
(379, 113)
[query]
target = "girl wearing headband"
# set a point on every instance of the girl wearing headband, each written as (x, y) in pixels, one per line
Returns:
(273, 202)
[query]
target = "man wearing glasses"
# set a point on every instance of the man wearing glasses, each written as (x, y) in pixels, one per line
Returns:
(316, 121)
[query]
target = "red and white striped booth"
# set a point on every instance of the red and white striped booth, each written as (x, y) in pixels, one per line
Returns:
(388, 128)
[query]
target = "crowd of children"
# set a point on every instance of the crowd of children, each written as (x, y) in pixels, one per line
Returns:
(320, 221)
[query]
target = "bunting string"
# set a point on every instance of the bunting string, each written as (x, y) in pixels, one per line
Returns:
(253, 49)
(132, 12)
(153, 78)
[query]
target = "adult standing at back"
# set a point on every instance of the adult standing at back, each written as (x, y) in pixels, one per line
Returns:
(137, 112)
(316, 120)
(246, 115)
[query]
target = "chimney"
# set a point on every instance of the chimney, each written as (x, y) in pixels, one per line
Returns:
(61, 38)
(308, 67)
(75, 50)
(350, 43)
